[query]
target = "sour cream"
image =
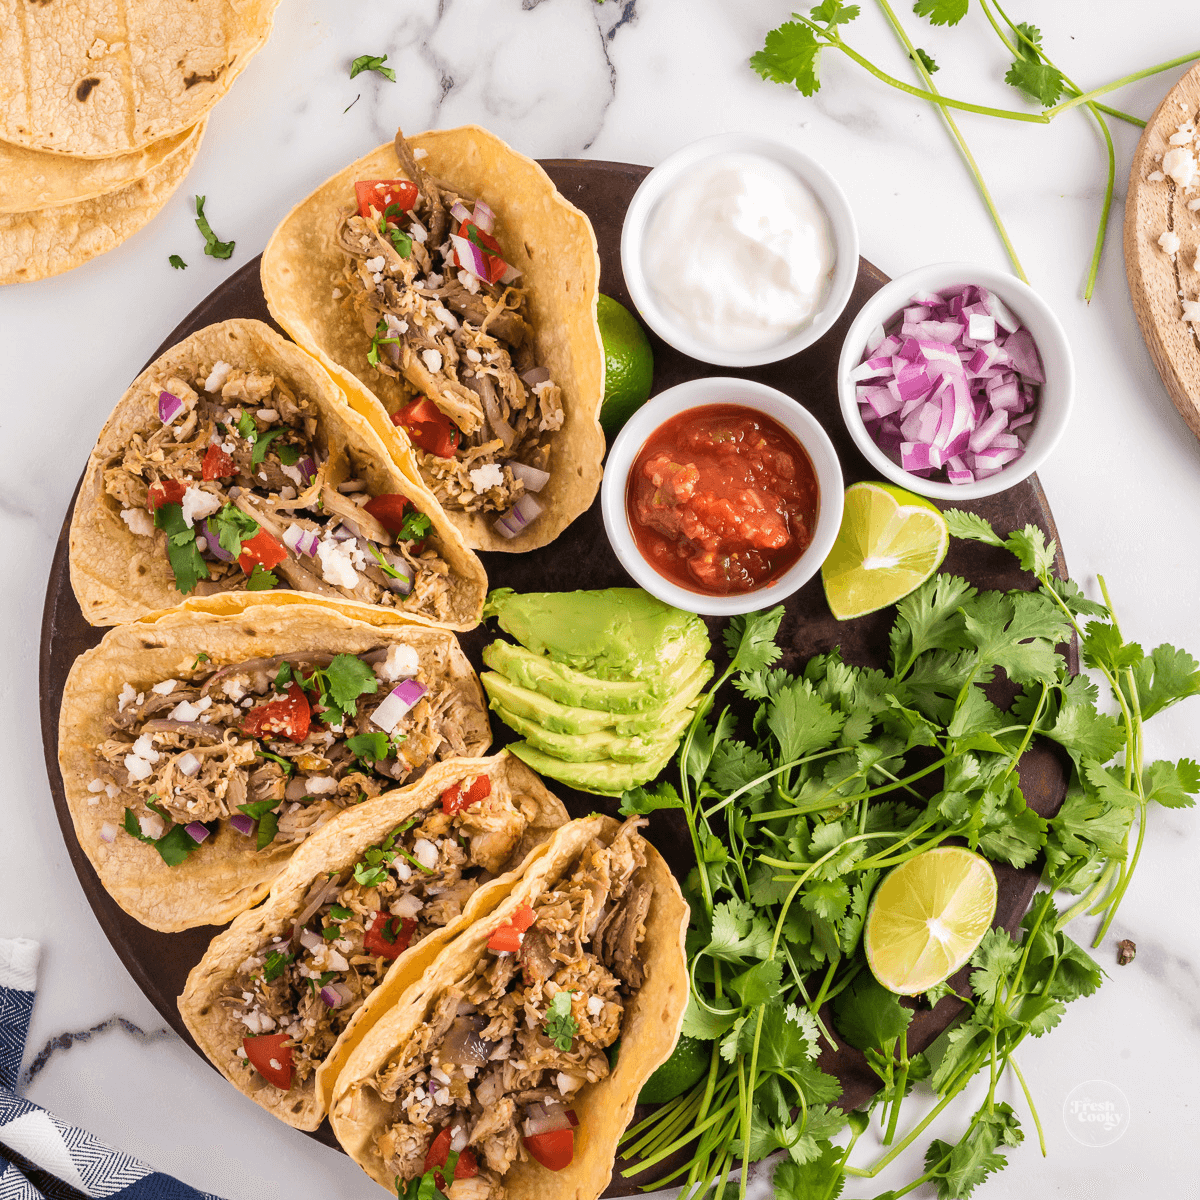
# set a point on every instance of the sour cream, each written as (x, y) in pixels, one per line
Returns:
(739, 252)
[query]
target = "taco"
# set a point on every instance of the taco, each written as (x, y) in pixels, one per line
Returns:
(360, 911)
(200, 749)
(506, 1054)
(234, 463)
(445, 279)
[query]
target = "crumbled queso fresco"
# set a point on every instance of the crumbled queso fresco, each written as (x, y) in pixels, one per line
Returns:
(1180, 165)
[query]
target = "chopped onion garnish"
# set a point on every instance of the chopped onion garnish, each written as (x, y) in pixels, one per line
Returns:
(243, 824)
(310, 939)
(308, 468)
(397, 704)
(108, 832)
(188, 764)
(169, 407)
(196, 831)
(344, 532)
(948, 388)
(533, 479)
(518, 517)
(336, 994)
(460, 212)
(483, 217)
(213, 546)
(546, 1119)
(301, 541)
(470, 257)
(403, 582)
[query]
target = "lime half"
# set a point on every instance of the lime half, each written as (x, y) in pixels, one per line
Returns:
(683, 1070)
(889, 543)
(628, 364)
(927, 917)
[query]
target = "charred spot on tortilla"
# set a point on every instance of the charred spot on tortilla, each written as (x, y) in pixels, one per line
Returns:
(190, 80)
(84, 90)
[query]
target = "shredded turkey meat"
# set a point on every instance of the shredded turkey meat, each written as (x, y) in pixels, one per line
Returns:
(534, 1049)
(321, 961)
(245, 453)
(455, 335)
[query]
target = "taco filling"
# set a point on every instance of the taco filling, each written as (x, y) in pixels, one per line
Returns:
(296, 994)
(489, 1078)
(238, 488)
(274, 747)
(426, 275)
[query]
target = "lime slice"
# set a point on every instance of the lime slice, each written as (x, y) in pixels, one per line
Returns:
(890, 542)
(927, 917)
(683, 1070)
(628, 364)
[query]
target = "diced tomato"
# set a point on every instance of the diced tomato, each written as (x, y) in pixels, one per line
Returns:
(271, 1058)
(439, 1151)
(428, 427)
(380, 193)
(554, 1150)
(493, 255)
(454, 799)
(217, 464)
(389, 936)
(290, 718)
(390, 509)
(508, 936)
(261, 548)
(169, 491)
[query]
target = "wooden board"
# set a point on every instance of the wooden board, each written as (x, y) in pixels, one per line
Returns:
(582, 558)
(1158, 284)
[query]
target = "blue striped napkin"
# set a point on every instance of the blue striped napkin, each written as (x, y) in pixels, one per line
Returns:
(41, 1158)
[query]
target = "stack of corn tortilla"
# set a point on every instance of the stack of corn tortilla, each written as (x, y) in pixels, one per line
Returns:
(101, 114)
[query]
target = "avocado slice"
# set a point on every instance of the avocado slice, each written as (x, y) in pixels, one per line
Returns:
(617, 633)
(572, 719)
(603, 744)
(603, 778)
(571, 687)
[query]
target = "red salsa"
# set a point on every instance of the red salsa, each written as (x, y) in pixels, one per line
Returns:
(722, 499)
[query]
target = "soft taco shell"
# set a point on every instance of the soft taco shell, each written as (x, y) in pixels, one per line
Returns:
(224, 877)
(548, 239)
(94, 79)
(49, 241)
(653, 1018)
(119, 576)
(31, 179)
(334, 848)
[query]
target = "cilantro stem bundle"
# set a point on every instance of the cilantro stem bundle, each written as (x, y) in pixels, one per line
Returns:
(791, 54)
(845, 772)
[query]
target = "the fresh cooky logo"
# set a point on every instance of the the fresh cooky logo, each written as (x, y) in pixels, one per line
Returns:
(1096, 1113)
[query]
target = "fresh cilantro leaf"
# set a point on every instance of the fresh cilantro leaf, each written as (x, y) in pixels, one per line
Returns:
(372, 62)
(1172, 784)
(257, 809)
(247, 427)
(959, 1169)
(1029, 40)
(791, 54)
(703, 1025)
(868, 1016)
(289, 455)
(401, 242)
(561, 1027)
(177, 262)
(339, 913)
(1103, 647)
(971, 527)
(735, 765)
(801, 722)
(1019, 632)
(349, 677)
(380, 338)
(201, 658)
(261, 580)
(941, 12)
(926, 60)
(262, 443)
(232, 527)
(760, 984)
(820, 1176)
(212, 247)
(638, 801)
(369, 747)
(370, 876)
(274, 964)
(173, 846)
(994, 961)
(1164, 677)
(1086, 827)
(832, 13)
(385, 566)
(1037, 79)
(750, 640)
(268, 827)
(1032, 551)
(186, 562)
(1080, 728)
(739, 932)
(929, 619)
(414, 527)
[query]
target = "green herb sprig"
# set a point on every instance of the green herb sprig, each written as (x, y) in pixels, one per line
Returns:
(213, 247)
(372, 62)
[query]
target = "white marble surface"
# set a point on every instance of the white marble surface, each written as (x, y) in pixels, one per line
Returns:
(631, 80)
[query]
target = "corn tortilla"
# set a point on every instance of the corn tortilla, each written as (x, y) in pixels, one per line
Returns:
(545, 237)
(334, 848)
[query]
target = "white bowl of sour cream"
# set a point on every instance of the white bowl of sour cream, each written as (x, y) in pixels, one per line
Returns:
(739, 250)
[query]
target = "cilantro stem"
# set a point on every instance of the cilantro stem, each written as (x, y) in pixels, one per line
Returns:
(1096, 889)
(835, 40)
(1037, 716)
(936, 97)
(1012, 1062)
(787, 766)
(748, 1110)
(1084, 97)
(898, 1095)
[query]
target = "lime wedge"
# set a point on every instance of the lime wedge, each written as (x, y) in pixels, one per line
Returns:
(890, 542)
(927, 917)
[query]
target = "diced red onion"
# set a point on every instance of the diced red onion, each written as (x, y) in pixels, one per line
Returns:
(470, 257)
(545, 1119)
(533, 479)
(336, 994)
(460, 212)
(213, 546)
(310, 939)
(536, 375)
(169, 407)
(344, 533)
(397, 704)
(196, 831)
(243, 824)
(188, 764)
(108, 832)
(483, 217)
(402, 583)
(307, 468)
(301, 541)
(518, 517)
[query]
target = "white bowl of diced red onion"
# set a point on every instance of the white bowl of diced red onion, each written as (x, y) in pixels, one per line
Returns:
(956, 381)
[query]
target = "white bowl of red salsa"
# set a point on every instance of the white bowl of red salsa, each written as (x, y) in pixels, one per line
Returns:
(722, 496)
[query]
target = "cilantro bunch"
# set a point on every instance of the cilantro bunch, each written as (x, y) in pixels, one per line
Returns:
(842, 773)
(792, 53)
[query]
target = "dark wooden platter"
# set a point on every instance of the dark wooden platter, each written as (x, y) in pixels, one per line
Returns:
(581, 558)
